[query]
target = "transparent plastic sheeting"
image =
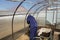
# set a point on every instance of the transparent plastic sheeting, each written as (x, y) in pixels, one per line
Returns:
(17, 20)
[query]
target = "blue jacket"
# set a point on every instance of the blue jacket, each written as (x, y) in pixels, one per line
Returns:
(33, 26)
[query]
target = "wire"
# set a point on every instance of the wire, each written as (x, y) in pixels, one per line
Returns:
(13, 18)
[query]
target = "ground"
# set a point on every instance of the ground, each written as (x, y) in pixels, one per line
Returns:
(23, 37)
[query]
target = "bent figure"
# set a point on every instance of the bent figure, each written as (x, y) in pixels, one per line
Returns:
(33, 27)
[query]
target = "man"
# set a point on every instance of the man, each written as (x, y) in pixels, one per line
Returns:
(33, 27)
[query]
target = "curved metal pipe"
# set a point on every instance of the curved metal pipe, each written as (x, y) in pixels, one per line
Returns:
(13, 18)
(38, 9)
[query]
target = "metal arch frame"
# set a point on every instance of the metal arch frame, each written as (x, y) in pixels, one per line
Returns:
(13, 18)
(30, 9)
(41, 10)
(37, 9)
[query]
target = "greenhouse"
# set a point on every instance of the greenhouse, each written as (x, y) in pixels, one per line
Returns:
(29, 19)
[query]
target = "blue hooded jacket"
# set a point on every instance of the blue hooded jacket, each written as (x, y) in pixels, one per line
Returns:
(33, 26)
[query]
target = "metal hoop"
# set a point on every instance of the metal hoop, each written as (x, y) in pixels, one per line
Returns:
(13, 18)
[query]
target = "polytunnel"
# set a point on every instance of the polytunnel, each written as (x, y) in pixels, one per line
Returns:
(27, 17)
(42, 3)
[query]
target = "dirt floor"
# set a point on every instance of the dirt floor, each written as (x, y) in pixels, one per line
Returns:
(23, 37)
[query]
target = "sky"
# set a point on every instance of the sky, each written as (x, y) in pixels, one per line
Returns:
(6, 5)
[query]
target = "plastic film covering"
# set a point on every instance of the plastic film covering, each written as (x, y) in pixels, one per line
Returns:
(36, 5)
(30, 7)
